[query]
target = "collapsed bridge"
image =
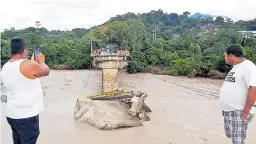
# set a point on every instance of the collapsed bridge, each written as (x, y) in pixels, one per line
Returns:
(113, 108)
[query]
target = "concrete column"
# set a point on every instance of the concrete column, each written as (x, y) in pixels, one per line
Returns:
(109, 76)
(109, 79)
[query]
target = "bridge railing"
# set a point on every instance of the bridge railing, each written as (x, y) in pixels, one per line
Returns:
(109, 58)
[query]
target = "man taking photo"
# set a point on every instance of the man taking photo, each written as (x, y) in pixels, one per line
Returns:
(238, 94)
(20, 78)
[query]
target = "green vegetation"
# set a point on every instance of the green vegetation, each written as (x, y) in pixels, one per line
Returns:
(159, 42)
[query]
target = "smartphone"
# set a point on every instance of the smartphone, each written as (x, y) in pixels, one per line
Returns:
(36, 53)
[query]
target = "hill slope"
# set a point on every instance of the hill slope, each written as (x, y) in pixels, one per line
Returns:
(199, 15)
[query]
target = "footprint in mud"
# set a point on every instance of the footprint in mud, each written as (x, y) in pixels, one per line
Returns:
(3, 98)
(67, 80)
(44, 90)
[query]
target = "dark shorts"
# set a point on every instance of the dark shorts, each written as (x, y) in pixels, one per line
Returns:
(25, 131)
(236, 126)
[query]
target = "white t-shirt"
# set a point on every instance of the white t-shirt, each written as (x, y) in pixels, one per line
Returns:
(233, 93)
(24, 96)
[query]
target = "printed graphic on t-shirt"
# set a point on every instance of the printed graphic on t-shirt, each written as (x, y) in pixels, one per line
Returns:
(230, 77)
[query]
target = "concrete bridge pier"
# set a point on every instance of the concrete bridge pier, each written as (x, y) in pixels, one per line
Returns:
(109, 65)
(110, 79)
(109, 76)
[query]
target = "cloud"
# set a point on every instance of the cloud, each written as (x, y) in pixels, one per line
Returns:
(68, 14)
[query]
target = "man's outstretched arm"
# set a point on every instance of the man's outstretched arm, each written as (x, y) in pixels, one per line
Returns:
(32, 69)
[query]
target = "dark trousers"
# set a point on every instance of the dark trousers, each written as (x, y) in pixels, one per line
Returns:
(25, 131)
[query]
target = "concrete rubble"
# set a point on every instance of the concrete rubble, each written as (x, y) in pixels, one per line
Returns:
(113, 112)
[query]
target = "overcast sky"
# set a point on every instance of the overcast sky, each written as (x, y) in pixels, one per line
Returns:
(68, 14)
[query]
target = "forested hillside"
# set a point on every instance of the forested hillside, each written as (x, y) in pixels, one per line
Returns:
(159, 42)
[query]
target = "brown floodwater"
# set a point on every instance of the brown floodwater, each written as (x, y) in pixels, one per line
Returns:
(185, 111)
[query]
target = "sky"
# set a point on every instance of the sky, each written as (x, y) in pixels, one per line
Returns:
(69, 14)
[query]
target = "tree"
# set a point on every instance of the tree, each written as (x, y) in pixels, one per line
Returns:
(120, 30)
(136, 33)
(186, 13)
(37, 24)
(219, 20)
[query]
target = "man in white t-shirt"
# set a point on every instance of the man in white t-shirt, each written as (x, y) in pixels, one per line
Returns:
(20, 78)
(238, 94)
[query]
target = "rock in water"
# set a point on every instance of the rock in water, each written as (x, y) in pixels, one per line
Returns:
(137, 105)
(104, 115)
(139, 108)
